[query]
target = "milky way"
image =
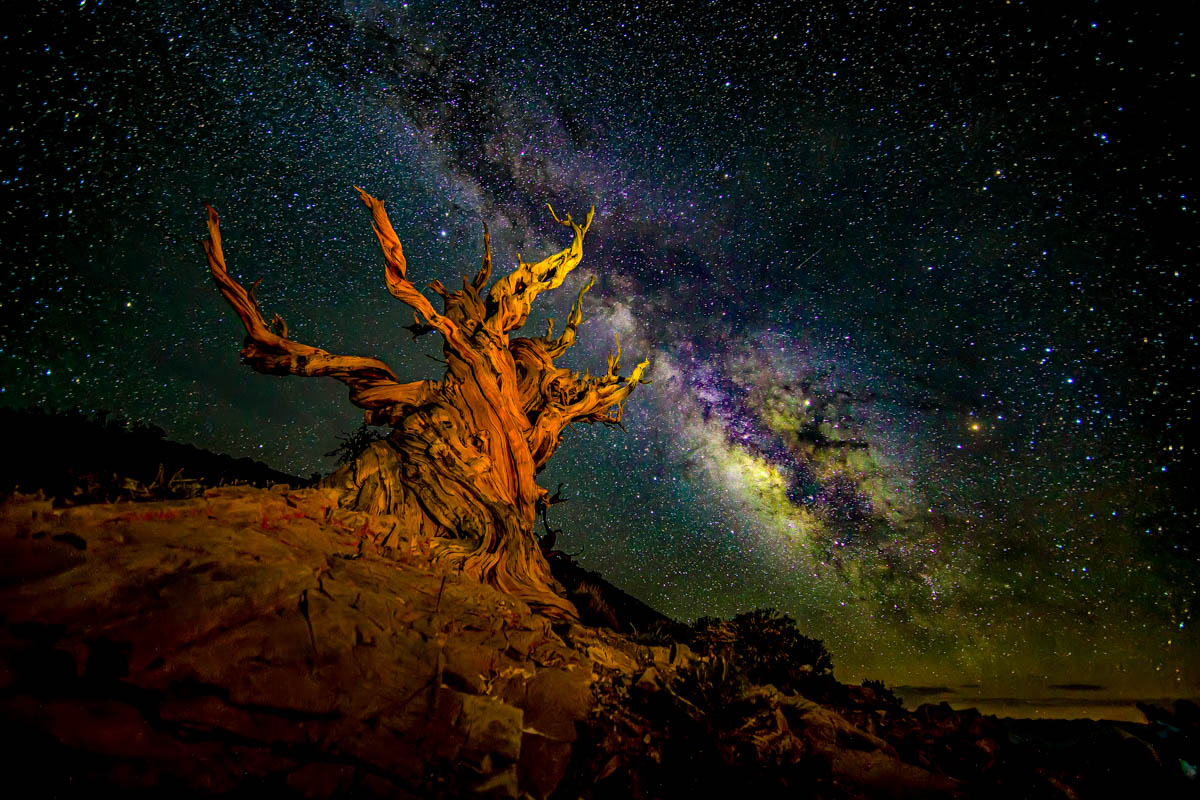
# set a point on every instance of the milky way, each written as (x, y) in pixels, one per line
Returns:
(912, 281)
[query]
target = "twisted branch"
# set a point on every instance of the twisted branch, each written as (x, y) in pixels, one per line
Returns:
(373, 384)
(510, 299)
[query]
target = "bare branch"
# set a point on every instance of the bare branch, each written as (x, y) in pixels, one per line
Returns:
(397, 280)
(511, 297)
(372, 383)
(574, 399)
(417, 328)
(556, 347)
(485, 270)
(602, 399)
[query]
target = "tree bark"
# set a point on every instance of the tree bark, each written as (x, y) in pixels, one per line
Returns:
(461, 461)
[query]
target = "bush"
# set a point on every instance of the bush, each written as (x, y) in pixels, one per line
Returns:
(712, 690)
(883, 694)
(354, 443)
(768, 648)
(593, 609)
(664, 632)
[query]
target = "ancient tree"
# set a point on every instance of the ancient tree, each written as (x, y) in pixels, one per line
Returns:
(460, 464)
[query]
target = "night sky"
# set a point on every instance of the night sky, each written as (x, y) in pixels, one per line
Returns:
(912, 279)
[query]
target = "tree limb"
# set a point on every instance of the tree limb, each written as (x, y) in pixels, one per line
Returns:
(396, 275)
(511, 297)
(556, 347)
(570, 398)
(372, 383)
(599, 395)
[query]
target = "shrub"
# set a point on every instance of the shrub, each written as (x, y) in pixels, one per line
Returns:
(883, 694)
(769, 649)
(593, 609)
(354, 443)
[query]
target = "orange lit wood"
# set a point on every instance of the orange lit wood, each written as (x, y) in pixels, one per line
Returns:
(461, 462)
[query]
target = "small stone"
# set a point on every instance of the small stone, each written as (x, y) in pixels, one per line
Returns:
(650, 681)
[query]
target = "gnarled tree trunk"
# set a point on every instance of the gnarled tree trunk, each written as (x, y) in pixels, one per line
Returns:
(461, 462)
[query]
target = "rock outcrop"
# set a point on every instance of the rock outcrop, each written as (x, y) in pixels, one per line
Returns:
(267, 642)
(269, 639)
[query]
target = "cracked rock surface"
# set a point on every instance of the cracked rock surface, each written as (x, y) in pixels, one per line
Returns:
(257, 640)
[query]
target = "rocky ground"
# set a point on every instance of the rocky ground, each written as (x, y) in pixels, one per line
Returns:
(253, 641)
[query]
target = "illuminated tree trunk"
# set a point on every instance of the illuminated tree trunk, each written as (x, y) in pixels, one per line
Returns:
(461, 462)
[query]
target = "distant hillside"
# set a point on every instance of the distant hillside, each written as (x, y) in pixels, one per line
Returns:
(75, 457)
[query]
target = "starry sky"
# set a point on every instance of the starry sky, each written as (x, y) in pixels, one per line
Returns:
(912, 278)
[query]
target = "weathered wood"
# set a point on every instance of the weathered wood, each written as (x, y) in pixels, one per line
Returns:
(461, 462)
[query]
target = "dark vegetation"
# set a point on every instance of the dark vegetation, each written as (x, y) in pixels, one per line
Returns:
(694, 729)
(75, 458)
(731, 717)
(355, 443)
(601, 604)
(884, 694)
(767, 648)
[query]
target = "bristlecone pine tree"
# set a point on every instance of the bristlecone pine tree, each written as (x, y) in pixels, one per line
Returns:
(460, 464)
